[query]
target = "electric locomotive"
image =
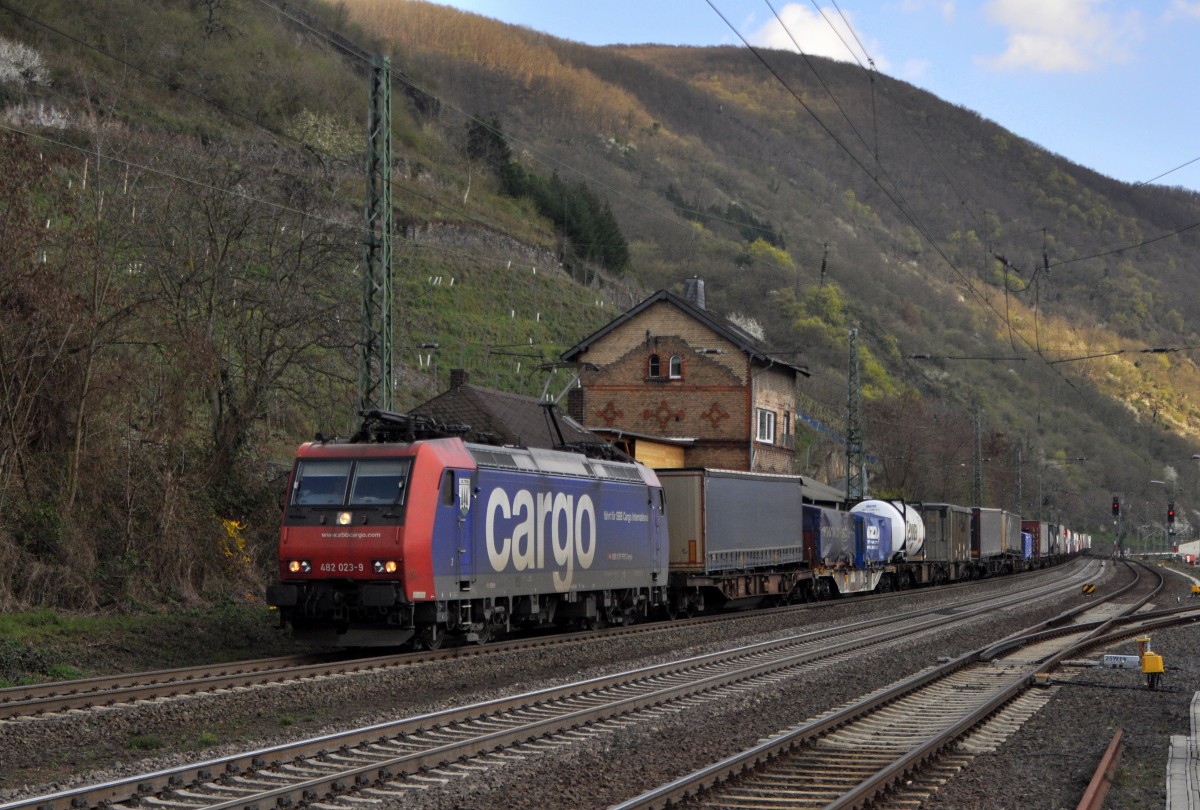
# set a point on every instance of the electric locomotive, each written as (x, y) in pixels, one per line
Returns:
(386, 541)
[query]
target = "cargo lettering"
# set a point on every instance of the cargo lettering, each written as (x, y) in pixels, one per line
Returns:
(518, 528)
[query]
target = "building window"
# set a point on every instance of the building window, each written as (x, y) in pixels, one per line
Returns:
(654, 367)
(676, 367)
(766, 426)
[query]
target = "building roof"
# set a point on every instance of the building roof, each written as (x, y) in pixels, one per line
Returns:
(723, 327)
(498, 417)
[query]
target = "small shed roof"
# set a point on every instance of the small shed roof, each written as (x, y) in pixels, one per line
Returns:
(499, 417)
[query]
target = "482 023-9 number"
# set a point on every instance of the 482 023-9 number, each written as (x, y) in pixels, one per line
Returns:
(343, 568)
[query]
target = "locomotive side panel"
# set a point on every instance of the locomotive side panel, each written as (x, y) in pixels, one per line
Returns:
(536, 533)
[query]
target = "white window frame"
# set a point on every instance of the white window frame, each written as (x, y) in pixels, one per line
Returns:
(675, 367)
(766, 426)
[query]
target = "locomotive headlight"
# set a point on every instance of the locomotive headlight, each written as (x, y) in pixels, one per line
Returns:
(344, 518)
(390, 566)
(384, 566)
(299, 566)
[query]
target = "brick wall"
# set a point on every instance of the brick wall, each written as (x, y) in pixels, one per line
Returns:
(710, 401)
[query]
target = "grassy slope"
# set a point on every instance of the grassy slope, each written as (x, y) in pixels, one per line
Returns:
(49, 645)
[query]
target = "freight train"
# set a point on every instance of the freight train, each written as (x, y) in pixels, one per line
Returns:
(390, 539)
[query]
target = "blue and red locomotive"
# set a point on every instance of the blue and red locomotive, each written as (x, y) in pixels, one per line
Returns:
(388, 542)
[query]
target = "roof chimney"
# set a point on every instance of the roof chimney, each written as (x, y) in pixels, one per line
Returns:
(693, 291)
(459, 377)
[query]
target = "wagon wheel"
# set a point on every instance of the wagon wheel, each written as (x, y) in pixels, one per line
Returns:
(485, 634)
(431, 637)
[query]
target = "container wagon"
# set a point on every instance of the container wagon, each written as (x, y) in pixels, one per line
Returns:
(995, 541)
(946, 553)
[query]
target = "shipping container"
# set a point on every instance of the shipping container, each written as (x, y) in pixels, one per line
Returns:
(907, 529)
(994, 533)
(830, 535)
(723, 520)
(1041, 532)
(873, 539)
(947, 532)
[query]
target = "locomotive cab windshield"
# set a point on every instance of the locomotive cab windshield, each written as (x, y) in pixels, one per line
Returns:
(365, 482)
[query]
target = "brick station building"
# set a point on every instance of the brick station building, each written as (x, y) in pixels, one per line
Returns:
(675, 385)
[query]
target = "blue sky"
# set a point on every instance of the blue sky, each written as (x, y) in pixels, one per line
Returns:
(1109, 84)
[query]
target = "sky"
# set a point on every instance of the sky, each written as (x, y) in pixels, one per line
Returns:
(1108, 84)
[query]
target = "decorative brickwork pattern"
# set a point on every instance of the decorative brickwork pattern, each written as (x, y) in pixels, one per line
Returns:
(609, 414)
(712, 398)
(663, 415)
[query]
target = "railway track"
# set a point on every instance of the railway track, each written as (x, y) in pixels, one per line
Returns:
(106, 691)
(387, 761)
(897, 745)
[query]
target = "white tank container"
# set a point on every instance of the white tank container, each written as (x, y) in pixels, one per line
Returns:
(908, 530)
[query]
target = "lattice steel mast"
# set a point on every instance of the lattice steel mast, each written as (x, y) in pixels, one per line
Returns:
(375, 345)
(856, 471)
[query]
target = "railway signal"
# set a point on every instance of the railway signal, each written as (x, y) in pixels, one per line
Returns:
(1170, 513)
(1116, 506)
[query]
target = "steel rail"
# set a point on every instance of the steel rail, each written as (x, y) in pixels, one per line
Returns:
(42, 699)
(172, 779)
(787, 742)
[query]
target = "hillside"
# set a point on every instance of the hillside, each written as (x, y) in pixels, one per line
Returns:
(938, 232)
(181, 206)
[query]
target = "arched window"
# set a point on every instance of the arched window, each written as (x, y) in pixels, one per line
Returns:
(654, 367)
(676, 371)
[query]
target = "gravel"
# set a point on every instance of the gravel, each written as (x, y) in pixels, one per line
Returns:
(1046, 764)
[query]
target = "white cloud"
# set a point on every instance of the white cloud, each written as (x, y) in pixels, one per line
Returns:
(1183, 8)
(829, 36)
(946, 7)
(1061, 35)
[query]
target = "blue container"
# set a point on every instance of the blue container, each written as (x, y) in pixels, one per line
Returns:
(873, 539)
(830, 534)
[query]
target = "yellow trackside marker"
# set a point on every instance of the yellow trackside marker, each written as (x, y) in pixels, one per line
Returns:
(1089, 588)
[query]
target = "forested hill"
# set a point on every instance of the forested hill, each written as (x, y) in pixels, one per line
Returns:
(181, 203)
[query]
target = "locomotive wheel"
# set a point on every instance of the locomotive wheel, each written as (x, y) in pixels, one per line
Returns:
(431, 637)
